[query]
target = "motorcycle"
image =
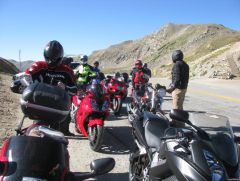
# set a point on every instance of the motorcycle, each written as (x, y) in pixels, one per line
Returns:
(37, 152)
(89, 112)
(117, 89)
(206, 150)
(149, 100)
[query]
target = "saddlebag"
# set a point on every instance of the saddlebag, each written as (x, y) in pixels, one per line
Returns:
(45, 102)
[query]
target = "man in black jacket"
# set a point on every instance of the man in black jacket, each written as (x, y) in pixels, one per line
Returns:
(180, 77)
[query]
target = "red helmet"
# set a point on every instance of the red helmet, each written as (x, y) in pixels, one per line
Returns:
(138, 64)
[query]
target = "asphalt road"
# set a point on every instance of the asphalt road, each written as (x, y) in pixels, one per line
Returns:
(212, 96)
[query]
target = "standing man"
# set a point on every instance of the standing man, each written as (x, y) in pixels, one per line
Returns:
(178, 87)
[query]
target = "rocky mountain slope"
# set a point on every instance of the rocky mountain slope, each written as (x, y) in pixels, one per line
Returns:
(24, 64)
(7, 67)
(211, 50)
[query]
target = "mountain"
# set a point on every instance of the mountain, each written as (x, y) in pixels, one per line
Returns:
(211, 50)
(24, 64)
(7, 67)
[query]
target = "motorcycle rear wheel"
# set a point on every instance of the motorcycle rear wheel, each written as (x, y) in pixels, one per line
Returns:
(95, 137)
(117, 105)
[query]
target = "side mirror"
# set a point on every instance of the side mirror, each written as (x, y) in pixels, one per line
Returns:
(179, 115)
(102, 166)
(98, 167)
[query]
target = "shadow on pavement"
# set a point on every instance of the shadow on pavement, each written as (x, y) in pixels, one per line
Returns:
(117, 140)
(114, 176)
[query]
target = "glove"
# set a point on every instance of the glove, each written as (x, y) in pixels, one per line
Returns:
(170, 90)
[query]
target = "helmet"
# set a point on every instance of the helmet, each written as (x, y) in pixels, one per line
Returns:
(138, 64)
(83, 59)
(96, 63)
(67, 60)
(177, 55)
(53, 53)
(117, 74)
(145, 65)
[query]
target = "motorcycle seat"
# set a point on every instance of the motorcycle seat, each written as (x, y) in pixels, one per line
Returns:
(154, 128)
(49, 133)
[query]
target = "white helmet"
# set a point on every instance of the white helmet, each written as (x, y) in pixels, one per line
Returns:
(83, 59)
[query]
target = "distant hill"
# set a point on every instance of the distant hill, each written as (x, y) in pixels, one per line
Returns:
(7, 67)
(24, 64)
(211, 50)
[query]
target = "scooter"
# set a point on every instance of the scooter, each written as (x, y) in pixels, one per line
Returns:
(89, 112)
(117, 89)
(37, 152)
(206, 150)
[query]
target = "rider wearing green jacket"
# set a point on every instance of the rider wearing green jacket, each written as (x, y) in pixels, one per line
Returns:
(85, 71)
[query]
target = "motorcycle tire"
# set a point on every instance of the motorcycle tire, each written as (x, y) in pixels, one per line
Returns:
(95, 137)
(136, 167)
(117, 105)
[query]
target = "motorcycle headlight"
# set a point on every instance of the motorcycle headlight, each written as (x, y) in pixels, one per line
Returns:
(217, 171)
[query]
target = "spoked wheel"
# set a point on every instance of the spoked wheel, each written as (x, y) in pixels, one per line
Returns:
(138, 167)
(117, 105)
(95, 137)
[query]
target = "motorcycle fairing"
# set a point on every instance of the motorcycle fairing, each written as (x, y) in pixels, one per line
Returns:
(184, 169)
(35, 157)
(95, 121)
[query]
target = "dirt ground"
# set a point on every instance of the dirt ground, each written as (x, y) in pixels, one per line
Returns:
(9, 108)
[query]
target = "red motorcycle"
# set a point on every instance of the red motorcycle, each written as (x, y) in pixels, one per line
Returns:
(39, 153)
(89, 112)
(118, 91)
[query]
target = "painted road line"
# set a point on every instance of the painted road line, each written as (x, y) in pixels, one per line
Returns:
(215, 95)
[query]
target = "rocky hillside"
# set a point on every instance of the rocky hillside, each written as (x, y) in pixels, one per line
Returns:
(211, 50)
(7, 67)
(24, 64)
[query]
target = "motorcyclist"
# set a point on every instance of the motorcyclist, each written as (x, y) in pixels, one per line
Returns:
(52, 71)
(95, 66)
(84, 72)
(140, 78)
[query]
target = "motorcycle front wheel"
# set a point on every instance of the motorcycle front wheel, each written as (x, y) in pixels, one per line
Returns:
(117, 105)
(95, 137)
(137, 165)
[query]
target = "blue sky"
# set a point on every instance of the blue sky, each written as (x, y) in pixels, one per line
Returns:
(83, 26)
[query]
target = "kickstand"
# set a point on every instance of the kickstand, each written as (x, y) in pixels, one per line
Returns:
(19, 129)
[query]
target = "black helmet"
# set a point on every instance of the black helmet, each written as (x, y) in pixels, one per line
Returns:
(67, 60)
(145, 65)
(53, 53)
(177, 55)
(96, 63)
(117, 74)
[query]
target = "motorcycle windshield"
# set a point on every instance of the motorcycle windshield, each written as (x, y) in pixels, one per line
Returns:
(96, 90)
(221, 135)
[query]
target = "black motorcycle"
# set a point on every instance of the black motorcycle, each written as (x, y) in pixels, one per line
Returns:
(148, 98)
(37, 152)
(206, 150)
